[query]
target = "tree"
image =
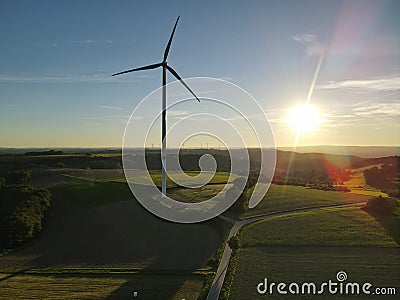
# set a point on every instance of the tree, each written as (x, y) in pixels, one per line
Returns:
(239, 205)
(382, 205)
(22, 209)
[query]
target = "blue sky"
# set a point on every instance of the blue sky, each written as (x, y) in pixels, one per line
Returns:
(56, 58)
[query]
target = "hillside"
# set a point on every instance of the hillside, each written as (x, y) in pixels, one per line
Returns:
(361, 151)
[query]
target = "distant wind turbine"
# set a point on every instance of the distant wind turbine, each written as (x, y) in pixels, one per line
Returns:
(165, 67)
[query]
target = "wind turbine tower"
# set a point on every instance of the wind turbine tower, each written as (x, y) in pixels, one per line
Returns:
(165, 67)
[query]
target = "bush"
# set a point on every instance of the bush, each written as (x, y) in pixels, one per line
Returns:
(233, 242)
(382, 205)
(394, 193)
(342, 188)
(18, 176)
(2, 181)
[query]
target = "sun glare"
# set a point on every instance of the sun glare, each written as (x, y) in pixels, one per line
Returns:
(303, 118)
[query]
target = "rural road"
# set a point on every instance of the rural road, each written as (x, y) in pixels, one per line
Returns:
(218, 282)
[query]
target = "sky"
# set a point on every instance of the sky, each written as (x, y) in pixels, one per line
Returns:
(57, 57)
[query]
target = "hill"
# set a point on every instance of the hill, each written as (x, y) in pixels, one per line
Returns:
(361, 151)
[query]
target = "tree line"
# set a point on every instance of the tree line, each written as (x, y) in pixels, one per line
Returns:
(385, 178)
(22, 208)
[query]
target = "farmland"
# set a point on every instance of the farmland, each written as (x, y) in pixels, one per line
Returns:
(313, 264)
(357, 184)
(99, 242)
(314, 246)
(288, 197)
(97, 285)
(329, 227)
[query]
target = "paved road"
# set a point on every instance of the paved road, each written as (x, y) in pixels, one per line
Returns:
(216, 286)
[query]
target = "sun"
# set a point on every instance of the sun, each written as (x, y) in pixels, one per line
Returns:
(304, 118)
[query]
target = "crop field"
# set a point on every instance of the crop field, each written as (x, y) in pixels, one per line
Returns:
(313, 247)
(196, 194)
(288, 197)
(379, 266)
(218, 178)
(101, 286)
(350, 226)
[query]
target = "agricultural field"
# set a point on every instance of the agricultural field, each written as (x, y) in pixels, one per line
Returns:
(329, 227)
(379, 266)
(101, 286)
(95, 222)
(100, 224)
(357, 184)
(95, 225)
(91, 194)
(196, 194)
(217, 178)
(314, 246)
(288, 197)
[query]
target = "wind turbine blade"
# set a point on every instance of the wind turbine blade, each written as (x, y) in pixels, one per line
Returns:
(181, 80)
(149, 67)
(170, 40)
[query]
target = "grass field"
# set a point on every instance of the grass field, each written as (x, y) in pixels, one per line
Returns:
(88, 194)
(329, 227)
(218, 178)
(357, 184)
(101, 286)
(105, 154)
(94, 174)
(196, 194)
(99, 224)
(379, 266)
(95, 223)
(98, 187)
(313, 247)
(289, 197)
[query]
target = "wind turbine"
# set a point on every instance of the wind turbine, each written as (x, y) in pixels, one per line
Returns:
(165, 67)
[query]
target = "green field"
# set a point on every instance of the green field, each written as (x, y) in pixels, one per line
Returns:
(288, 197)
(357, 184)
(313, 247)
(100, 224)
(196, 194)
(95, 223)
(94, 174)
(218, 178)
(100, 191)
(379, 266)
(88, 194)
(101, 286)
(329, 227)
